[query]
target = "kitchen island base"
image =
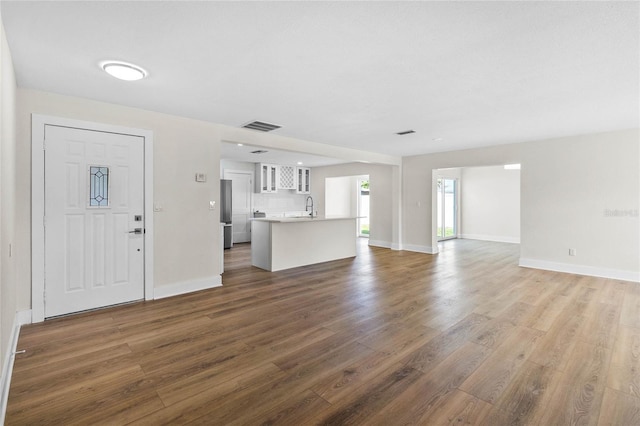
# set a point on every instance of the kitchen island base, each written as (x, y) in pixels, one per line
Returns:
(278, 244)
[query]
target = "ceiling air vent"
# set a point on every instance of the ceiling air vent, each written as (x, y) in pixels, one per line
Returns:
(261, 126)
(406, 132)
(259, 151)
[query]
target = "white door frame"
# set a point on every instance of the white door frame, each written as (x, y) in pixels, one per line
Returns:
(38, 123)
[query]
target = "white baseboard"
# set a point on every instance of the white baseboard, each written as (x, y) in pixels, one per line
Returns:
(494, 238)
(24, 317)
(21, 318)
(187, 287)
(379, 243)
(419, 249)
(592, 271)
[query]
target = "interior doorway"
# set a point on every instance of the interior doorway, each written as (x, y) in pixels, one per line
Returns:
(363, 207)
(348, 196)
(475, 203)
(447, 208)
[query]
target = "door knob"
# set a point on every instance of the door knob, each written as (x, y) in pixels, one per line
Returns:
(136, 231)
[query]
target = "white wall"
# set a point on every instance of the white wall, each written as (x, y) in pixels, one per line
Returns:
(186, 246)
(8, 292)
(490, 204)
(285, 200)
(566, 186)
(340, 196)
(186, 232)
(384, 197)
(236, 165)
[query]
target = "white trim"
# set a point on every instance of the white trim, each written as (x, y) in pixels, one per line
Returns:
(188, 287)
(21, 318)
(148, 214)
(38, 123)
(418, 248)
(494, 238)
(242, 172)
(379, 243)
(616, 274)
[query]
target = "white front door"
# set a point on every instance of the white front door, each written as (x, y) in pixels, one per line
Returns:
(241, 188)
(94, 223)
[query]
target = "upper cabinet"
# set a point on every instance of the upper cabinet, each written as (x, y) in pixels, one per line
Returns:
(287, 177)
(267, 178)
(303, 180)
(272, 177)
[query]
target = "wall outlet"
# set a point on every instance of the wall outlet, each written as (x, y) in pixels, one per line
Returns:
(572, 252)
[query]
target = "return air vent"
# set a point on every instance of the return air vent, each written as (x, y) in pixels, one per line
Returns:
(261, 126)
(406, 132)
(259, 151)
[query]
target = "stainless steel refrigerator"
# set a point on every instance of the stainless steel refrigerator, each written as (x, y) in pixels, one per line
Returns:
(225, 211)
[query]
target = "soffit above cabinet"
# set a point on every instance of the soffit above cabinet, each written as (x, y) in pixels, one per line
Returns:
(233, 152)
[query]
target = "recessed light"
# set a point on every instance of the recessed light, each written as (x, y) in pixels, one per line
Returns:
(123, 70)
(299, 163)
(240, 144)
(437, 139)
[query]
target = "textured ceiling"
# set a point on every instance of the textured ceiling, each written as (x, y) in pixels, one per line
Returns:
(349, 73)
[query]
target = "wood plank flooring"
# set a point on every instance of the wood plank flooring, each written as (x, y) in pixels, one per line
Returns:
(387, 338)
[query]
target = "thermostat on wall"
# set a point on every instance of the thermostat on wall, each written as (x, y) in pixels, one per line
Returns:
(201, 177)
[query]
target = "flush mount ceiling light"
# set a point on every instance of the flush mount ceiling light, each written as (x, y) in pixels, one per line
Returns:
(123, 71)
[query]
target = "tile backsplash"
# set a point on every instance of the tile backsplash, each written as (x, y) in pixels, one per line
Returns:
(282, 201)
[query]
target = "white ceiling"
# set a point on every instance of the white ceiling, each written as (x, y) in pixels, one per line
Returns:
(233, 152)
(349, 73)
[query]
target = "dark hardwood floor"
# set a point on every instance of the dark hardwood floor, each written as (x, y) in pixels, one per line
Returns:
(387, 338)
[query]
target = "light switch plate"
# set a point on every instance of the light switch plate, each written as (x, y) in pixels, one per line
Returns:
(201, 177)
(212, 205)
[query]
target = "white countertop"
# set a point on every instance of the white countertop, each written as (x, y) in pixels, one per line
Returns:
(299, 219)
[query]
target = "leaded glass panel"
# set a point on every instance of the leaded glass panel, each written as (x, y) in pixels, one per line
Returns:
(98, 186)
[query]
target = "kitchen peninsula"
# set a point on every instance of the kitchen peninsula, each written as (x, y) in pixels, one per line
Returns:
(288, 242)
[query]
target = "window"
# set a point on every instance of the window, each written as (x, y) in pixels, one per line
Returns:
(98, 186)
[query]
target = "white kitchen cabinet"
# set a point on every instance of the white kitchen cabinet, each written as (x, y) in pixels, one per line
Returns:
(303, 180)
(287, 177)
(267, 178)
(283, 243)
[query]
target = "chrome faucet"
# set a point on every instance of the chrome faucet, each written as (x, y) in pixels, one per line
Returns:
(306, 208)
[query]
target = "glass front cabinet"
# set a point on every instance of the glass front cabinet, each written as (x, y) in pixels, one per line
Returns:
(303, 180)
(266, 178)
